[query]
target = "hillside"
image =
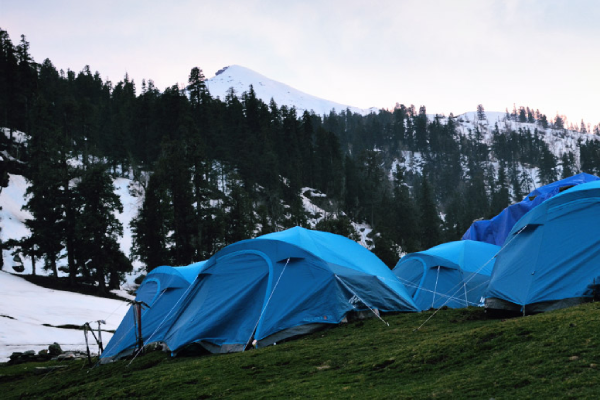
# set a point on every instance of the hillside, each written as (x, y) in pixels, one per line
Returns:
(457, 354)
(12, 217)
(495, 140)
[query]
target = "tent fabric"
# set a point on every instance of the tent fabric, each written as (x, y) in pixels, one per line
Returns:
(161, 290)
(496, 230)
(280, 284)
(552, 254)
(453, 274)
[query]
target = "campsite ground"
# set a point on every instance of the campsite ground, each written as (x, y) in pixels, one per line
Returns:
(457, 354)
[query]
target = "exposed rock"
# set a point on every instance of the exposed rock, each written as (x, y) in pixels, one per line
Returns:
(55, 349)
(70, 356)
(43, 355)
(54, 353)
(27, 356)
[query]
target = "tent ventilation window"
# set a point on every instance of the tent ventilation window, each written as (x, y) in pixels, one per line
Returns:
(563, 188)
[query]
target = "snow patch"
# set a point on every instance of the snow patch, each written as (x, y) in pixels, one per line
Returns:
(240, 78)
(31, 314)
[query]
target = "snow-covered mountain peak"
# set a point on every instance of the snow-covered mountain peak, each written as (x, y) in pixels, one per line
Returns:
(240, 78)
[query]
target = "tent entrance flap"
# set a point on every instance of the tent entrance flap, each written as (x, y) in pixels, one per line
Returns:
(225, 304)
(443, 283)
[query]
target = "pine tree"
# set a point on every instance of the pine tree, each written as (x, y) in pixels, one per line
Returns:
(429, 220)
(457, 220)
(9, 81)
(476, 194)
(420, 127)
(239, 213)
(543, 121)
(522, 115)
(404, 214)
(547, 167)
(98, 229)
(46, 191)
(352, 187)
(559, 122)
(568, 164)
(197, 87)
(515, 183)
(398, 129)
(151, 240)
(122, 135)
(527, 182)
(501, 195)
(481, 113)
(175, 165)
(373, 176)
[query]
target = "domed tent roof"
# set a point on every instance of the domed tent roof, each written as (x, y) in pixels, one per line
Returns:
(551, 258)
(280, 285)
(338, 250)
(496, 230)
(160, 291)
(454, 274)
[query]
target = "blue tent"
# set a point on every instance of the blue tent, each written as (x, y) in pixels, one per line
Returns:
(161, 291)
(496, 230)
(551, 258)
(453, 274)
(281, 285)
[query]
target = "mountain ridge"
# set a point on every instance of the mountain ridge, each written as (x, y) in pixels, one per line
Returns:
(240, 78)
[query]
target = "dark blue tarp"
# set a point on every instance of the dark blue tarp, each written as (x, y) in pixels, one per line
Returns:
(495, 230)
(553, 253)
(453, 274)
(284, 281)
(161, 290)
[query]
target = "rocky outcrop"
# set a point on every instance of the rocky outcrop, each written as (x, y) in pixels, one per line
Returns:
(54, 353)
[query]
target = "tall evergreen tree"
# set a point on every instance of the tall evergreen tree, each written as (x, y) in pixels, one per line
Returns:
(352, 187)
(429, 219)
(547, 168)
(176, 167)
(46, 190)
(404, 214)
(98, 229)
(239, 213)
(420, 127)
(568, 165)
(457, 219)
(501, 195)
(480, 112)
(197, 86)
(151, 239)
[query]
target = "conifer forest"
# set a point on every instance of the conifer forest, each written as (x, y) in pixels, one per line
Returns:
(212, 171)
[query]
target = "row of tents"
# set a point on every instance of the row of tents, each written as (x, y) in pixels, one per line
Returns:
(538, 254)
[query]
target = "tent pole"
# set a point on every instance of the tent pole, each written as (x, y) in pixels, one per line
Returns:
(87, 346)
(138, 307)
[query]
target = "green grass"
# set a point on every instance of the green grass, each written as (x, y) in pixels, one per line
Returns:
(457, 354)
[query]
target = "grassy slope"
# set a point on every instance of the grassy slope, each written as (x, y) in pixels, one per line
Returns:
(457, 354)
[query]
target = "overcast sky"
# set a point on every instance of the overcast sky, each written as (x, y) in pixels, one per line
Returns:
(447, 55)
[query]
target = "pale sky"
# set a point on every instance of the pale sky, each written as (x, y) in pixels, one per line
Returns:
(447, 55)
